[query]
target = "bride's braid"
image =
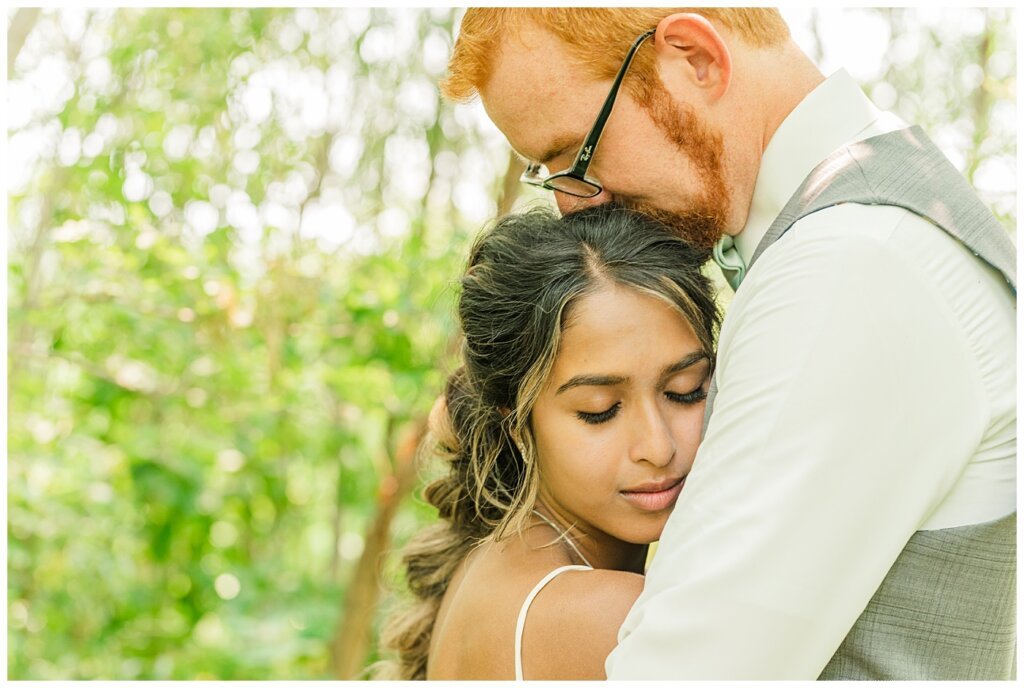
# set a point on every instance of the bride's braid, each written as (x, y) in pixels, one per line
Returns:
(433, 555)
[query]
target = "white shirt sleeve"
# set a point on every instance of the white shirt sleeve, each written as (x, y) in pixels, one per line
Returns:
(848, 405)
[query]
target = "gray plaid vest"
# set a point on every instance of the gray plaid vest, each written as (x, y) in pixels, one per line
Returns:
(947, 607)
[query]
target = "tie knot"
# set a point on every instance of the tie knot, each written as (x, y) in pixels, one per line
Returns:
(729, 260)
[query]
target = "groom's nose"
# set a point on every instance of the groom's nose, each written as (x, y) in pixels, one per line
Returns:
(568, 204)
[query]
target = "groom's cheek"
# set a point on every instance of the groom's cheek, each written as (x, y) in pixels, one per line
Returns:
(568, 204)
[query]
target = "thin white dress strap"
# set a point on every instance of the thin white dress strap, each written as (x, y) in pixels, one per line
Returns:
(521, 621)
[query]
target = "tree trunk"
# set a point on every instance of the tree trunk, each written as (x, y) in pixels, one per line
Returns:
(354, 632)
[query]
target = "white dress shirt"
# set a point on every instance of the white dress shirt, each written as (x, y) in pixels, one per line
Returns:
(867, 390)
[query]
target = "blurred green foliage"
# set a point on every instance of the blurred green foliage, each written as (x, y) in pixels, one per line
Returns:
(202, 386)
(233, 239)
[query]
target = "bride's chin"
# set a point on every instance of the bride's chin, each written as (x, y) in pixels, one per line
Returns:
(649, 533)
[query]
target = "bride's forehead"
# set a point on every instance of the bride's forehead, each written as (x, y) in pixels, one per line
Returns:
(621, 326)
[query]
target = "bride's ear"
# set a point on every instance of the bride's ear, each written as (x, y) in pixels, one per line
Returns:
(692, 56)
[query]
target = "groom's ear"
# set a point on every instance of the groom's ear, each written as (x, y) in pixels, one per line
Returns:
(692, 56)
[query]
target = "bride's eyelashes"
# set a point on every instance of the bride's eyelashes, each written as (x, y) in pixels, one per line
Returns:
(687, 399)
(603, 416)
(693, 397)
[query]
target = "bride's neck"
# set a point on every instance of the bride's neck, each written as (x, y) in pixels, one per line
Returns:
(590, 546)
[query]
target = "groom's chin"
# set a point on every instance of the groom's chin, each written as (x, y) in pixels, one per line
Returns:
(701, 227)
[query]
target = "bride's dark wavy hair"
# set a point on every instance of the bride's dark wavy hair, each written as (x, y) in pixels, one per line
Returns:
(523, 277)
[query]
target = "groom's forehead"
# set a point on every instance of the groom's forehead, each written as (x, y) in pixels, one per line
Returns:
(529, 63)
(538, 96)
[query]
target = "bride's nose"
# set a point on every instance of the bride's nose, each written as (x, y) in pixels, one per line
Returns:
(652, 441)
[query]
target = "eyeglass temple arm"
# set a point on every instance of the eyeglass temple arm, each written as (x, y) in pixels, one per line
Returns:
(582, 160)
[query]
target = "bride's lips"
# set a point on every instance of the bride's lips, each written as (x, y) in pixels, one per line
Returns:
(655, 496)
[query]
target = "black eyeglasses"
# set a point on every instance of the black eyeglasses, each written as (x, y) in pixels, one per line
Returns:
(574, 180)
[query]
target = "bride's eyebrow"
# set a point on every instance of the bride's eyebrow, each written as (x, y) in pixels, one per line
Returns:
(595, 380)
(609, 380)
(684, 363)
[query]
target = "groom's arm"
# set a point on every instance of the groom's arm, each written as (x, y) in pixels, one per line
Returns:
(848, 406)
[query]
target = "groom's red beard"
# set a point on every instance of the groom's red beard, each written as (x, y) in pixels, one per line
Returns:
(704, 222)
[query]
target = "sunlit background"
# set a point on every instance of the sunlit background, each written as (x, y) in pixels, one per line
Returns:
(233, 237)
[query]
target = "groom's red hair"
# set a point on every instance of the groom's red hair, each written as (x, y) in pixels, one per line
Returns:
(596, 37)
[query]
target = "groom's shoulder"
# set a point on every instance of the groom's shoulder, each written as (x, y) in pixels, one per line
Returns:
(887, 244)
(825, 250)
(831, 233)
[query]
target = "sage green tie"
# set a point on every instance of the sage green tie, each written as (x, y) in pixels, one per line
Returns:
(729, 260)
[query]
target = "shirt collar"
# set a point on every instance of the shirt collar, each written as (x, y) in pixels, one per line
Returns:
(835, 113)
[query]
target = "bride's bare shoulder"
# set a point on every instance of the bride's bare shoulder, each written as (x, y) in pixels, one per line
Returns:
(474, 633)
(571, 626)
(574, 621)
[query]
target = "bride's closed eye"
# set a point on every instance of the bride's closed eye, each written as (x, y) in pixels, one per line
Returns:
(601, 417)
(693, 397)
(689, 398)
